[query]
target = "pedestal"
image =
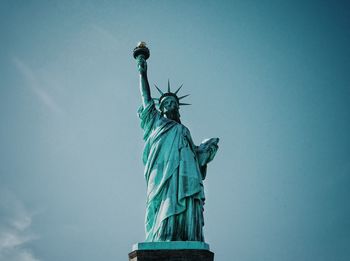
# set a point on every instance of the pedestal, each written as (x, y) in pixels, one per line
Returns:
(171, 251)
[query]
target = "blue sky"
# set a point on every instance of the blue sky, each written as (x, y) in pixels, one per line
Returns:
(269, 78)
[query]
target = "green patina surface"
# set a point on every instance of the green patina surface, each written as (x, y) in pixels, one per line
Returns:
(174, 167)
(170, 245)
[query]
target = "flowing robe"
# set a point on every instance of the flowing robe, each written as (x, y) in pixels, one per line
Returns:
(175, 195)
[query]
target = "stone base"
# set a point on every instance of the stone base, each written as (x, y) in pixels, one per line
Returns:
(171, 251)
(171, 255)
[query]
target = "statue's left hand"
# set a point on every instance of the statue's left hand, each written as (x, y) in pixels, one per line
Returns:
(207, 151)
(213, 148)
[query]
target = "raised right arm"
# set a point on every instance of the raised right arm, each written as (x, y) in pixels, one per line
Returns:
(144, 85)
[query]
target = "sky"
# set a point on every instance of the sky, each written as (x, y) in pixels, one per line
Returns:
(269, 78)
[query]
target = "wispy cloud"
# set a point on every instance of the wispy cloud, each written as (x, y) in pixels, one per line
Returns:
(35, 86)
(105, 33)
(15, 229)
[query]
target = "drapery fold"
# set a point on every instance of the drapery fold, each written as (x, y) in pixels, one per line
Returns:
(175, 195)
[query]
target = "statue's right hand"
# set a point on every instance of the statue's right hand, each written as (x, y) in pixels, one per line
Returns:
(141, 64)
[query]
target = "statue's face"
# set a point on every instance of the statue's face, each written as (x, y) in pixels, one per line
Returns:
(169, 104)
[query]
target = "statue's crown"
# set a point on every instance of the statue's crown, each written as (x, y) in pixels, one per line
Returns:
(163, 95)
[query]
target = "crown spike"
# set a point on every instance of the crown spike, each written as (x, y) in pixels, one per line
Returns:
(181, 104)
(183, 96)
(168, 85)
(159, 90)
(178, 89)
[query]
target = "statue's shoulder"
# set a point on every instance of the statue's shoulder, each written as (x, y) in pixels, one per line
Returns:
(149, 109)
(185, 131)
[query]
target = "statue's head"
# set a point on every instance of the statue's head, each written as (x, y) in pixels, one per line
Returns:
(169, 103)
(169, 107)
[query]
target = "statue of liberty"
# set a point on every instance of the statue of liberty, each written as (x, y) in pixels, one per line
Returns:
(174, 166)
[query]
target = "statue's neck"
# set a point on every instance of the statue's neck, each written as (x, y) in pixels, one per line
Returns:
(175, 116)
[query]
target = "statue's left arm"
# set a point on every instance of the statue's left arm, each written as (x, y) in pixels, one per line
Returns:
(206, 151)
